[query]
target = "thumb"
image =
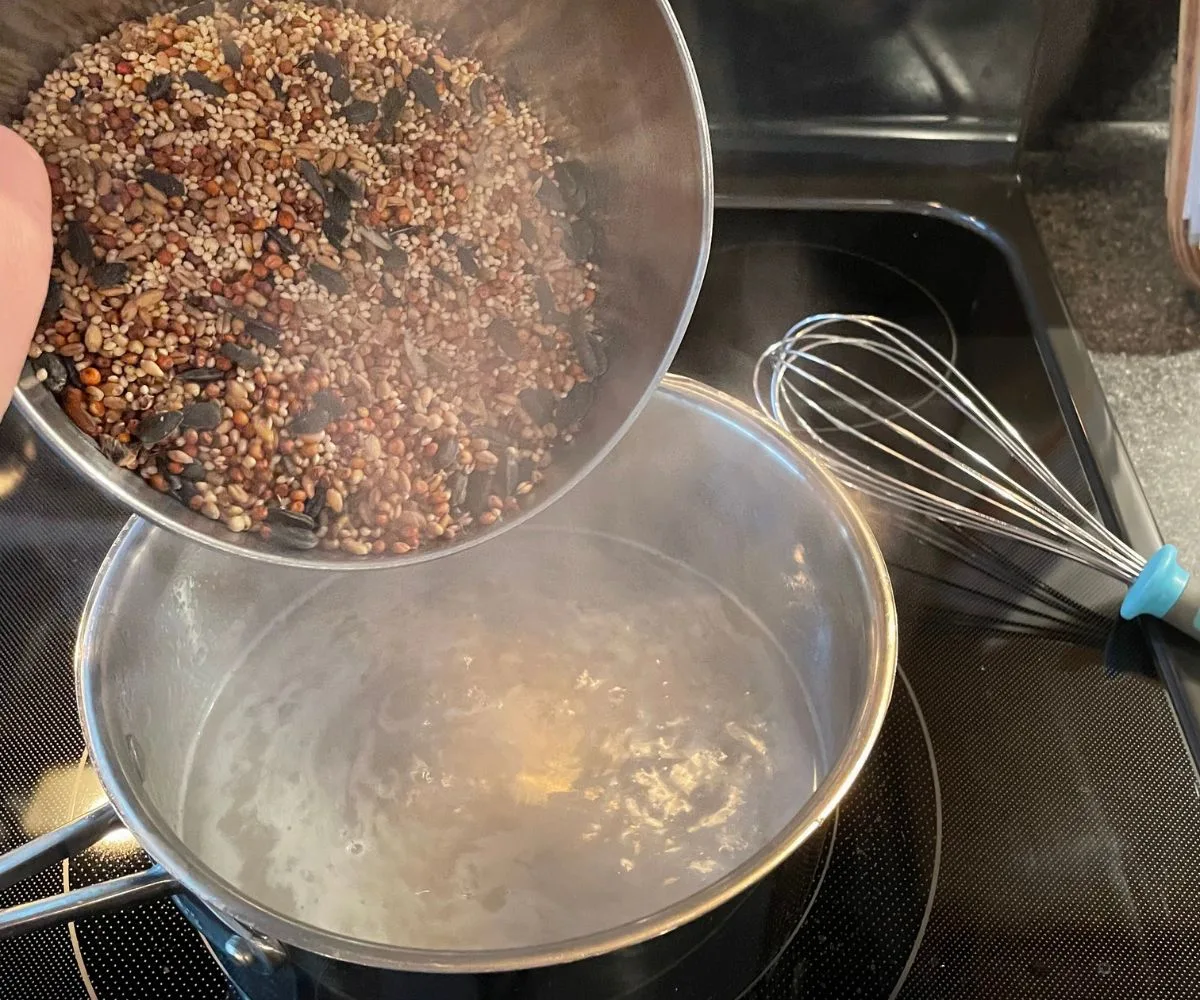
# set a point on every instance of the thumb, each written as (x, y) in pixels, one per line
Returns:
(26, 248)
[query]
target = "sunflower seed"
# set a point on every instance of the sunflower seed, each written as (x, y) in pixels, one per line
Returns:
(329, 279)
(110, 275)
(264, 333)
(360, 112)
(79, 244)
(315, 504)
(458, 490)
(547, 304)
(171, 186)
(339, 90)
(200, 376)
(278, 87)
(328, 63)
(529, 233)
(345, 183)
(479, 491)
(380, 243)
(395, 259)
(539, 404)
(203, 416)
(446, 454)
(159, 87)
(195, 472)
(291, 537)
(329, 402)
(444, 276)
(572, 179)
(54, 298)
(198, 81)
(580, 240)
(390, 107)
(574, 406)
(424, 89)
(548, 194)
(334, 231)
(197, 10)
(309, 422)
(240, 356)
(504, 335)
(308, 170)
(592, 357)
(478, 95)
(281, 515)
(231, 53)
(56, 377)
(512, 473)
(282, 241)
(158, 427)
(467, 261)
(337, 206)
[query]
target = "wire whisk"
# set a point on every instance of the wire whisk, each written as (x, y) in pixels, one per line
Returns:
(811, 382)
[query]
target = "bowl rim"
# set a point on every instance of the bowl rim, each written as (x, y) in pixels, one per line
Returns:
(51, 424)
(125, 793)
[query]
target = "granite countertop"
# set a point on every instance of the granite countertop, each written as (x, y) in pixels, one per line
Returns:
(1099, 204)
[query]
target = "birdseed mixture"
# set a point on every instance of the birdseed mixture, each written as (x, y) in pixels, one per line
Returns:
(316, 279)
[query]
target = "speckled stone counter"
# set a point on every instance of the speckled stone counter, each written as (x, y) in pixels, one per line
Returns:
(1098, 200)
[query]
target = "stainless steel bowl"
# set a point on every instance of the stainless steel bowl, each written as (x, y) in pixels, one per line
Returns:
(614, 80)
(299, 679)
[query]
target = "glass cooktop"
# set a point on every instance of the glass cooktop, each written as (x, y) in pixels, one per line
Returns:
(1027, 826)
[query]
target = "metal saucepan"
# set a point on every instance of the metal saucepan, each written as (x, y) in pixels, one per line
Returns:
(614, 81)
(585, 735)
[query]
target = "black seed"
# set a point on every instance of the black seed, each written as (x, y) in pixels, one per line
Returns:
(195, 472)
(328, 401)
(580, 240)
(56, 371)
(110, 275)
(328, 63)
(337, 206)
(572, 179)
(198, 81)
(547, 305)
(79, 244)
(200, 376)
(424, 89)
(497, 438)
(278, 87)
(444, 276)
(479, 489)
(529, 233)
(360, 112)
(478, 95)
(339, 90)
(550, 196)
(309, 422)
(291, 537)
(334, 231)
(346, 183)
(54, 298)
(539, 404)
(458, 490)
(390, 107)
(264, 333)
(158, 426)
(395, 260)
(467, 261)
(202, 9)
(308, 170)
(281, 515)
(159, 87)
(316, 503)
(282, 241)
(380, 243)
(504, 336)
(592, 357)
(512, 473)
(240, 356)
(231, 53)
(446, 454)
(329, 279)
(171, 186)
(574, 406)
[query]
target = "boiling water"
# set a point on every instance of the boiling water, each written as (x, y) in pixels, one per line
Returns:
(515, 760)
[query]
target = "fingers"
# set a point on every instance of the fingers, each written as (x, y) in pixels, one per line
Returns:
(26, 247)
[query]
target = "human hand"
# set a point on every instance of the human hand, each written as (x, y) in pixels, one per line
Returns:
(26, 250)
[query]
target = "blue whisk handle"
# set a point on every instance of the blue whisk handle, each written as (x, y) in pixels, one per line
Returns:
(1165, 590)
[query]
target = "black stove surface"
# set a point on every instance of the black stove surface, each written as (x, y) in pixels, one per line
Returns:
(1027, 826)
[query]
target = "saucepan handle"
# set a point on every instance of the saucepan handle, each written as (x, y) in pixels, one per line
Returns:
(58, 845)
